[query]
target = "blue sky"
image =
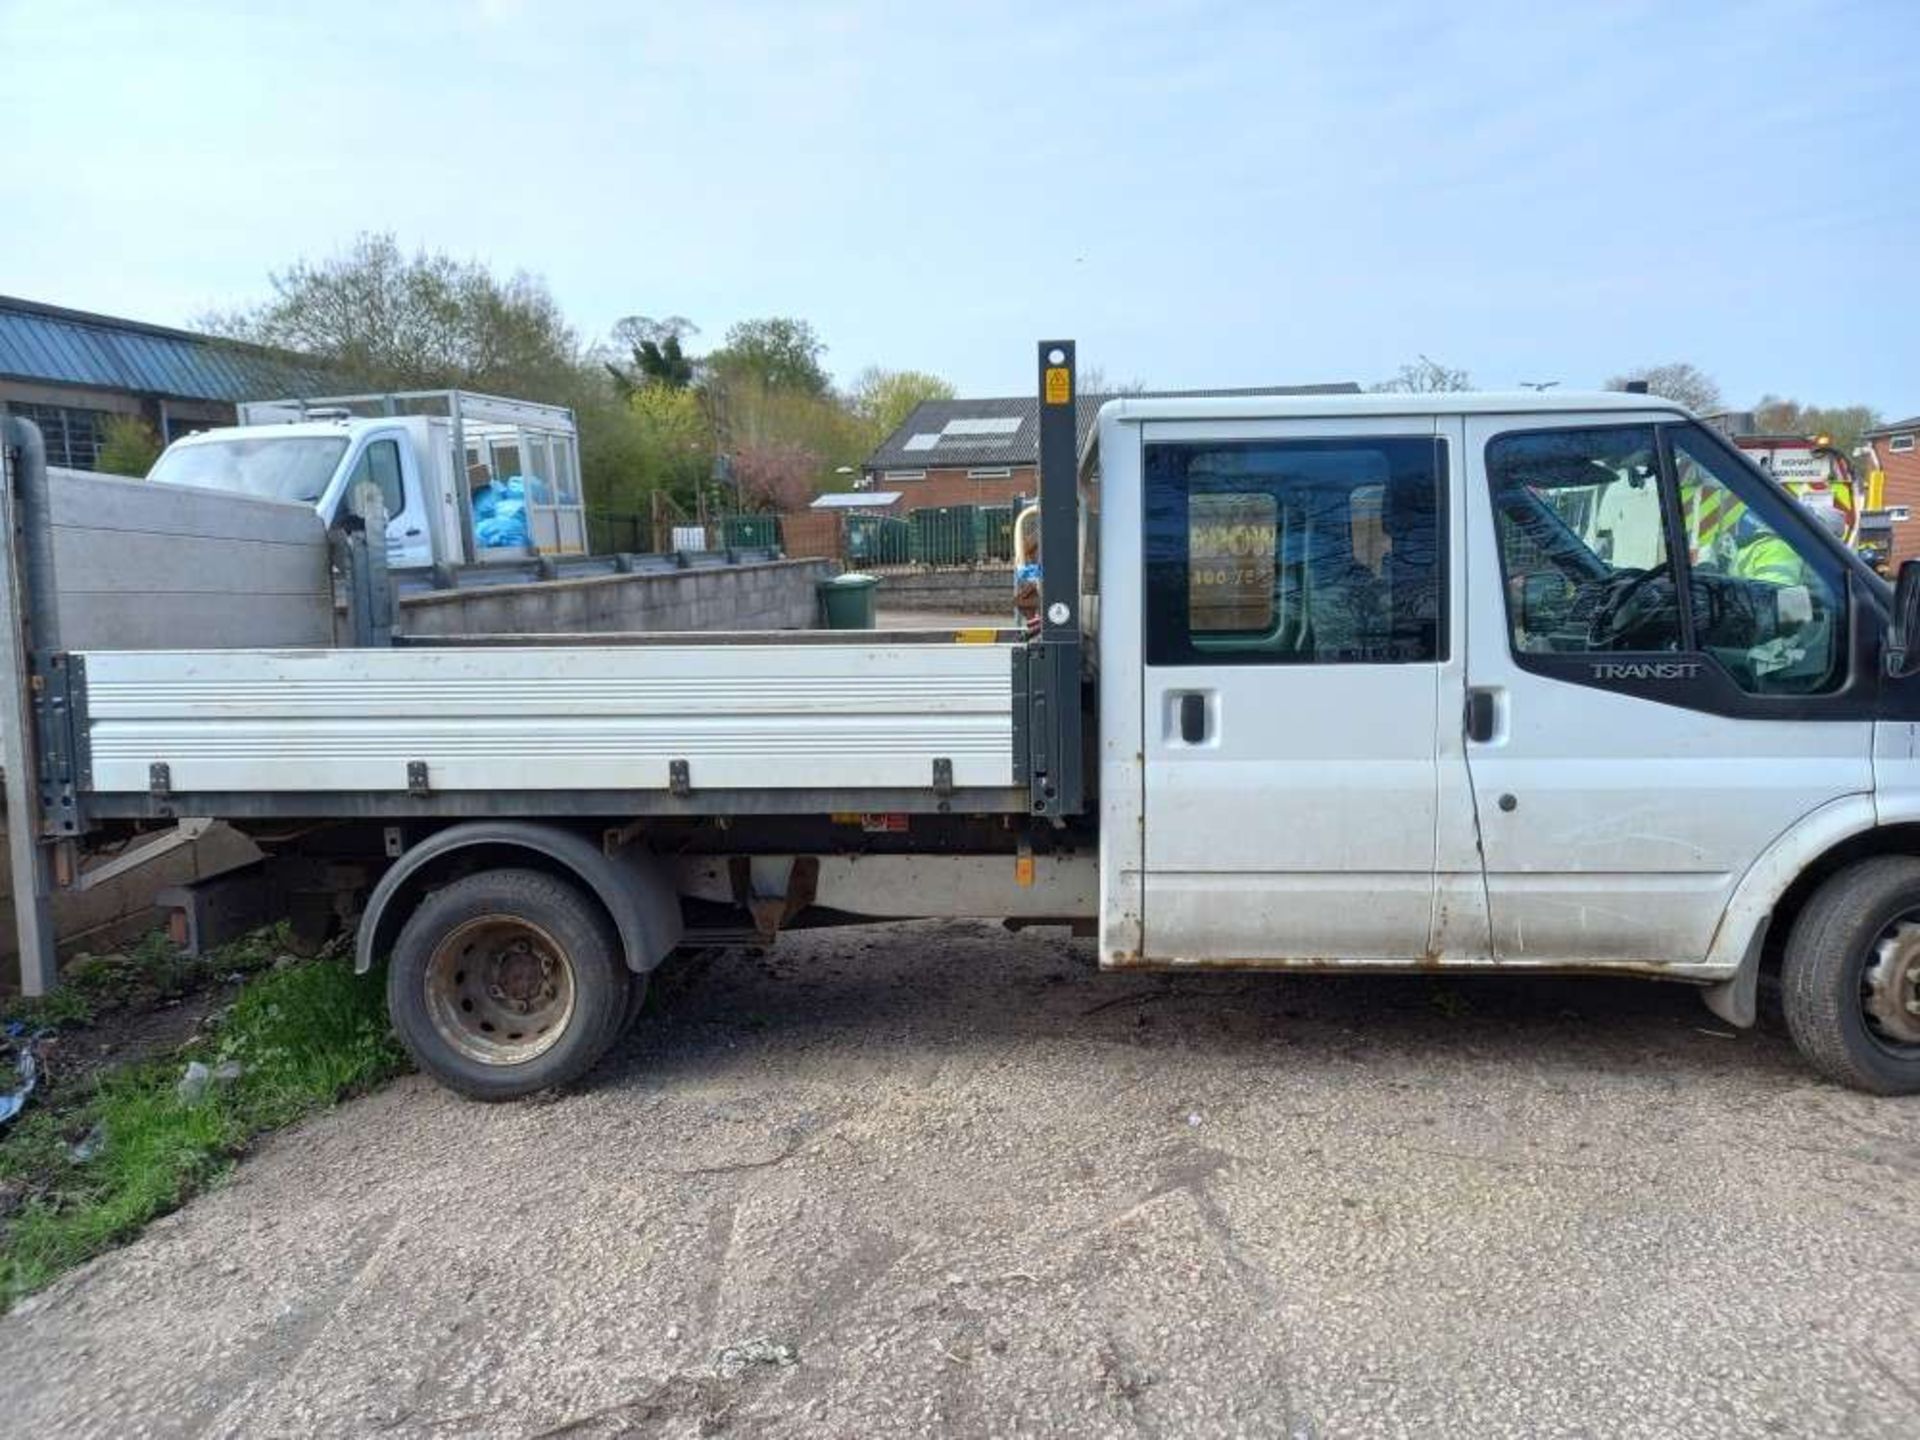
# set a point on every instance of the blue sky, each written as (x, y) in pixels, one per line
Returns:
(1200, 193)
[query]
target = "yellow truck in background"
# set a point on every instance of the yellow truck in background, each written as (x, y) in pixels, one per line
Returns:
(1819, 475)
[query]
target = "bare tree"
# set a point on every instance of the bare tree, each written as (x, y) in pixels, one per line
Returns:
(635, 330)
(1677, 380)
(1423, 377)
(1094, 381)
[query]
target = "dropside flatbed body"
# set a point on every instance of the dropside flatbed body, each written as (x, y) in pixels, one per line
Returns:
(686, 725)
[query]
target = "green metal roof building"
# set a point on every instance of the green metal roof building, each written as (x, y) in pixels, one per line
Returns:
(70, 371)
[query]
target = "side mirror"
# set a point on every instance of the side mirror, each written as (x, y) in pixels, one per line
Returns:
(1545, 596)
(1903, 630)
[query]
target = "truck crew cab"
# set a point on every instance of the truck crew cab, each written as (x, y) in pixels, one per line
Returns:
(1413, 682)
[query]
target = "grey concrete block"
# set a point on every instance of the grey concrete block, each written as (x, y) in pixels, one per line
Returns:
(778, 595)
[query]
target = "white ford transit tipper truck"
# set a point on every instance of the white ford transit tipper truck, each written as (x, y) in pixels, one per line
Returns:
(1411, 682)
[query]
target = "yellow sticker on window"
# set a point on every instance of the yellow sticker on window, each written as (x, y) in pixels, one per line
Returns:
(1231, 543)
(1059, 388)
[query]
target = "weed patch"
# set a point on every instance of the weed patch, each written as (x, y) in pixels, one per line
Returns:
(76, 1180)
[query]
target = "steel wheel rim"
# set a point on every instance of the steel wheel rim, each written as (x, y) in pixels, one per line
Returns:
(500, 990)
(1890, 987)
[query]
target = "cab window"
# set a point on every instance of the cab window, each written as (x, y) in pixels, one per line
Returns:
(1601, 536)
(1766, 597)
(379, 466)
(1583, 536)
(1295, 552)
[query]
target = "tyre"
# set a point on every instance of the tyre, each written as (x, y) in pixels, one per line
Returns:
(1850, 983)
(507, 982)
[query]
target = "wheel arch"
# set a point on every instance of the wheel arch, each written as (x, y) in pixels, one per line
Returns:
(631, 887)
(1753, 931)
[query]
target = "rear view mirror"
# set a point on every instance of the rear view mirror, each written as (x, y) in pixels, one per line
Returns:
(1903, 631)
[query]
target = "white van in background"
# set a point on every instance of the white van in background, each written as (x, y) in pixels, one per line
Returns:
(465, 478)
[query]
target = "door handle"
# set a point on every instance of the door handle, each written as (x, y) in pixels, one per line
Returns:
(414, 533)
(1193, 718)
(1483, 710)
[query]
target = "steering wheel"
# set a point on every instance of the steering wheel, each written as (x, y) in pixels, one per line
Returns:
(1626, 604)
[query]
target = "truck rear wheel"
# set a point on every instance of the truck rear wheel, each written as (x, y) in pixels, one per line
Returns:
(507, 982)
(1851, 980)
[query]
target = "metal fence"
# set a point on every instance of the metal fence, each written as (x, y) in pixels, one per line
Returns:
(937, 537)
(615, 533)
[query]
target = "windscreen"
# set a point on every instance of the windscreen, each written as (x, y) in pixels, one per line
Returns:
(274, 467)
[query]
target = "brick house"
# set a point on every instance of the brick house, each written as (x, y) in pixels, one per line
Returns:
(986, 452)
(1895, 455)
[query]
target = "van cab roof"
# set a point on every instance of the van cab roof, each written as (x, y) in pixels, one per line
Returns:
(340, 429)
(1447, 402)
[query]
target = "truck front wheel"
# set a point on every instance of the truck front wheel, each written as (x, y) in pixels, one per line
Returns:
(1851, 979)
(507, 982)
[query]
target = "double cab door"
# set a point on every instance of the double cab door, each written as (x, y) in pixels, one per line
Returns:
(1525, 688)
(1305, 786)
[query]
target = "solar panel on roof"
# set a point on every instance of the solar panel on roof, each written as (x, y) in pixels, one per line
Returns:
(926, 440)
(989, 425)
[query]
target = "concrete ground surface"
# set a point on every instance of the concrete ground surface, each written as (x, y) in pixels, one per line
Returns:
(935, 1179)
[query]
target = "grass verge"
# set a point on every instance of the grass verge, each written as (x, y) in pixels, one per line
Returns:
(89, 1174)
(147, 973)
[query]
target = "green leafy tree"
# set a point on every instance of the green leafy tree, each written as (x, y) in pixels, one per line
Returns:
(882, 399)
(659, 357)
(1424, 376)
(1843, 424)
(385, 320)
(788, 430)
(773, 412)
(1677, 380)
(128, 446)
(778, 352)
(653, 440)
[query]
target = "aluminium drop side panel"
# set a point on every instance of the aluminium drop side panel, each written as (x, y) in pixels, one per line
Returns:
(139, 566)
(1122, 646)
(743, 717)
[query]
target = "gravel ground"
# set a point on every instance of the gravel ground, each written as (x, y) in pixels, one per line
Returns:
(934, 1179)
